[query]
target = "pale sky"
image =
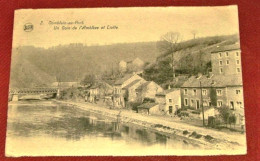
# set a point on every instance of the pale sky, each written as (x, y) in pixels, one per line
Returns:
(134, 24)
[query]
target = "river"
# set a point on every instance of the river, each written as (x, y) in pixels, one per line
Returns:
(48, 129)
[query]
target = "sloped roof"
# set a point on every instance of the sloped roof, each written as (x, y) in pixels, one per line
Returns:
(132, 83)
(147, 105)
(122, 80)
(167, 91)
(226, 48)
(144, 85)
(214, 81)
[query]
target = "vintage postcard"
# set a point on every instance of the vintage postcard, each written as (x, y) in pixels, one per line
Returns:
(126, 82)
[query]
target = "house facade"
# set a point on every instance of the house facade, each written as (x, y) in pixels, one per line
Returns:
(223, 87)
(130, 90)
(149, 90)
(135, 65)
(118, 96)
(169, 101)
(226, 60)
(216, 91)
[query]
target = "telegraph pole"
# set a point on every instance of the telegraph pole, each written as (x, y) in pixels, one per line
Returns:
(201, 98)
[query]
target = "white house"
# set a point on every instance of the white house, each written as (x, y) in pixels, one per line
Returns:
(169, 100)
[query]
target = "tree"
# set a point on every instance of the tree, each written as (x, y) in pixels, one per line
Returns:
(89, 80)
(225, 114)
(194, 33)
(232, 120)
(169, 44)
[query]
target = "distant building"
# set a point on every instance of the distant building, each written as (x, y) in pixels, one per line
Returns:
(148, 90)
(149, 108)
(122, 66)
(99, 90)
(118, 92)
(135, 65)
(130, 90)
(93, 93)
(169, 100)
(65, 84)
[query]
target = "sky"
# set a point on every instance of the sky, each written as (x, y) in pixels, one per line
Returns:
(133, 24)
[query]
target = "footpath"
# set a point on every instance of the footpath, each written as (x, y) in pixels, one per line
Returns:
(209, 138)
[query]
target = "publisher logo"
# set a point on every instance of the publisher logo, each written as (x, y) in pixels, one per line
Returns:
(28, 27)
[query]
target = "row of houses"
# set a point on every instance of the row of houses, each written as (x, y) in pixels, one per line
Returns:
(221, 87)
(133, 88)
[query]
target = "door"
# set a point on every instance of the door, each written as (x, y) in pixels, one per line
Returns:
(170, 109)
(197, 104)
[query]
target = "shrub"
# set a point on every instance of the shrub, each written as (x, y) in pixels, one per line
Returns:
(134, 105)
(208, 137)
(148, 100)
(193, 134)
(185, 132)
(184, 113)
(195, 112)
(198, 136)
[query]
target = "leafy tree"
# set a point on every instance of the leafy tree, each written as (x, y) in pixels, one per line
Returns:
(89, 80)
(225, 114)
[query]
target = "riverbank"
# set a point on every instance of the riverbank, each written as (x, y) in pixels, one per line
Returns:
(217, 142)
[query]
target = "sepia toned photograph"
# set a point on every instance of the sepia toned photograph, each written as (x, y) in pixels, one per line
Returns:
(140, 81)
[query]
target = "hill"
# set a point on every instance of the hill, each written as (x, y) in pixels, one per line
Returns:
(31, 66)
(191, 57)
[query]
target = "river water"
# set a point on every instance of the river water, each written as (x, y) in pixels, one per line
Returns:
(44, 128)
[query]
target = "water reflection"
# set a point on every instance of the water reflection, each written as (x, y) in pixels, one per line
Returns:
(71, 123)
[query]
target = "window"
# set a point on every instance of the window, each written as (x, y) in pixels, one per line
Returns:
(220, 62)
(185, 91)
(194, 92)
(219, 92)
(238, 70)
(238, 91)
(205, 103)
(226, 53)
(220, 55)
(204, 92)
(170, 100)
(221, 70)
(185, 101)
(238, 62)
(237, 53)
(227, 62)
(191, 102)
(219, 103)
(239, 104)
